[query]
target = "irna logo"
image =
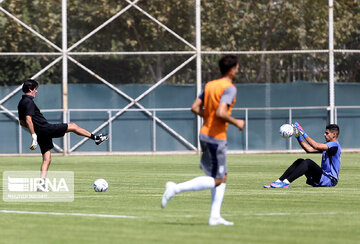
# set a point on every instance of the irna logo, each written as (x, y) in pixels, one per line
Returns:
(37, 184)
(27, 186)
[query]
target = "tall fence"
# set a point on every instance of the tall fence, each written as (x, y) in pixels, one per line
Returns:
(98, 69)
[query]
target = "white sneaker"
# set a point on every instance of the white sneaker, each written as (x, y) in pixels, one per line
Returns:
(169, 193)
(219, 221)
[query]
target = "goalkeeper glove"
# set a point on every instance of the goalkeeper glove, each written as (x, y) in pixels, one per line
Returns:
(34, 142)
(296, 131)
(301, 130)
(297, 134)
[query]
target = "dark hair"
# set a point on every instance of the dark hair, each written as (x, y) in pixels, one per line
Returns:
(29, 85)
(333, 128)
(226, 63)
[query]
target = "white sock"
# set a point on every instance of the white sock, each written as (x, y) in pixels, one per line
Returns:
(217, 196)
(278, 180)
(286, 181)
(196, 184)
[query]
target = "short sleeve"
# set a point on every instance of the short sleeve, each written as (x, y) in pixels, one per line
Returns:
(201, 96)
(29, 108)
(228, 95)
(333, 147)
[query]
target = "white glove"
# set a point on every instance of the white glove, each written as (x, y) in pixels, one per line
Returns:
(296, 131)
(34, 142)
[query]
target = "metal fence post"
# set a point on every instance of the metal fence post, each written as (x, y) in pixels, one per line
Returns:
(198, 62)
(154, 131)
(331, 62)
(65, 73)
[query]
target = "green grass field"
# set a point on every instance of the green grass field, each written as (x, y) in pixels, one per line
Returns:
(301, 214)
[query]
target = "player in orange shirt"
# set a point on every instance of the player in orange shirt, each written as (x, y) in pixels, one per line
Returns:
(214, 104)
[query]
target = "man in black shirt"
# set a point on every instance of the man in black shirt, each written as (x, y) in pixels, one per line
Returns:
(41, 131)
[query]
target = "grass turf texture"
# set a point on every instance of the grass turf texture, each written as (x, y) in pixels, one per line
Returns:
(301, 214)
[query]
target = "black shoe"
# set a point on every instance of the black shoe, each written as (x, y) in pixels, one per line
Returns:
(101, 138)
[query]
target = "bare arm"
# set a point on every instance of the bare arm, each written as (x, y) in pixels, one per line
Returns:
(316, 145)
(309, 145)
(308, 148)
(197, 107)
(29, 124)
(312, 146)
(23, 123)
(221, 112)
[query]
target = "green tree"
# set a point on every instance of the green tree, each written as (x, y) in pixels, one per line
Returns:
(266, 25)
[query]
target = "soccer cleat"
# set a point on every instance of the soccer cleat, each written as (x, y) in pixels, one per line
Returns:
(101, 138)
(267, 186)
(168, 194)
(271, 185)
(280, 185)
(219, 221)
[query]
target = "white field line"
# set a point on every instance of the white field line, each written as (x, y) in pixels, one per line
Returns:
(287, 214)
(95, 196)
(72, 214)
(165, 216)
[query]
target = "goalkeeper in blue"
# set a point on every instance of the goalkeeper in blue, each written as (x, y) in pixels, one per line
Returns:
(328, 173)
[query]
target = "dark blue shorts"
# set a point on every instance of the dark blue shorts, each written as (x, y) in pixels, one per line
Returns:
(213, 159)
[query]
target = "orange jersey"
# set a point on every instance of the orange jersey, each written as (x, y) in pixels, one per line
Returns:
(213, 126)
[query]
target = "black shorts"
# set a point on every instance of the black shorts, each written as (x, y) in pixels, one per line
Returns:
(46, 135)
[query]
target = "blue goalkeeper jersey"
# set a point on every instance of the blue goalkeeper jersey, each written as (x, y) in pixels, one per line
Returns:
(330, 162)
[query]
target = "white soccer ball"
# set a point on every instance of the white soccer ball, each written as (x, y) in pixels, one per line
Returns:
(100, 185)
(286, 130)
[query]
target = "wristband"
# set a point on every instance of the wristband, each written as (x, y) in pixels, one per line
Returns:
(299, 139)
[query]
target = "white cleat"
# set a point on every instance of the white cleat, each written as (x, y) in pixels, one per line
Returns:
(169, 193)
(219, 221)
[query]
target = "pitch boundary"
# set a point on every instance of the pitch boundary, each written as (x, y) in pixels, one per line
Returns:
(71, 214)
(164, 216)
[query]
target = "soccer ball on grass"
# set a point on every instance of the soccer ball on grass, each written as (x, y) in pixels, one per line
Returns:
(100, 185)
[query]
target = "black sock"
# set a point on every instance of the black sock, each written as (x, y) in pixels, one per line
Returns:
(93, 137)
